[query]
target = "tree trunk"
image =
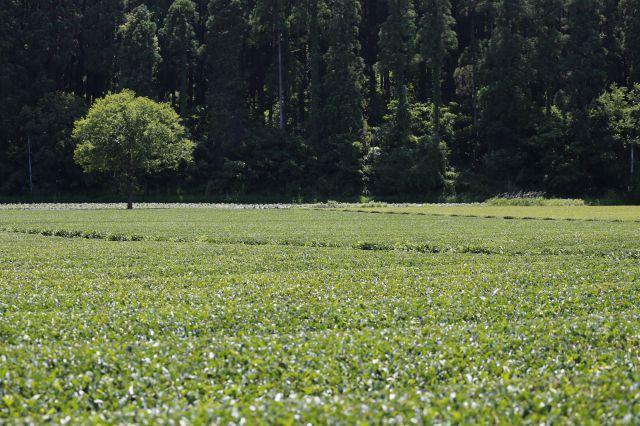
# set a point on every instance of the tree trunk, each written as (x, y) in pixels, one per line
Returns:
(315, 78)
(632, 165)
(280, 83)
(474, 71)
(386, 87)
(403, 115)
(30, 171)
(130, 194)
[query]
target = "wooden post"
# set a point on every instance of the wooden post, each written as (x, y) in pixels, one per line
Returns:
(30, 173)
(280, 83)
(632, 165)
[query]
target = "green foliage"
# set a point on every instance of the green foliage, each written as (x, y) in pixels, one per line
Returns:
(48, 126)
(437, 38)
(180, 49)
(130, 136)
(416, 166)
(275, 159)
(546, 50)
(339, 149)
(397, 49)
(505, 96)
(268, 159)
(631, 37)
(621, 106)
(584, 54)
(139, 52)
(99, 46)
(521, 76)
(396, 43)
(227, 111)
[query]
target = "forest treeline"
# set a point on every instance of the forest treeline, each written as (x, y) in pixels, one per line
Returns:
(395, 98)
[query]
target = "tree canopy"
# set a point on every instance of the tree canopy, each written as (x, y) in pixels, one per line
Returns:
(130, 136)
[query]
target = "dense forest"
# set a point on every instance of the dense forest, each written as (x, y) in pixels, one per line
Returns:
(333, 98)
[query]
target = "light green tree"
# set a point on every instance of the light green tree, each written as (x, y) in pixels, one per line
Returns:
(130, 136)
(621, 107)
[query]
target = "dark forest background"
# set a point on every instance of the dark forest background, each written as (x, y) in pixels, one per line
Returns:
(407, 99)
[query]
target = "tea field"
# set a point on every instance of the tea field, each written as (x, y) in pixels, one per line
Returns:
(305, 315)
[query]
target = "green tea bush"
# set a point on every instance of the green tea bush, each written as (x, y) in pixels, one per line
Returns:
(288, 316)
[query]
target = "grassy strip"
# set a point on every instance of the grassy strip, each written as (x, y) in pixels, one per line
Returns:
(359, 245)
(534, 201)
(477, 216)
